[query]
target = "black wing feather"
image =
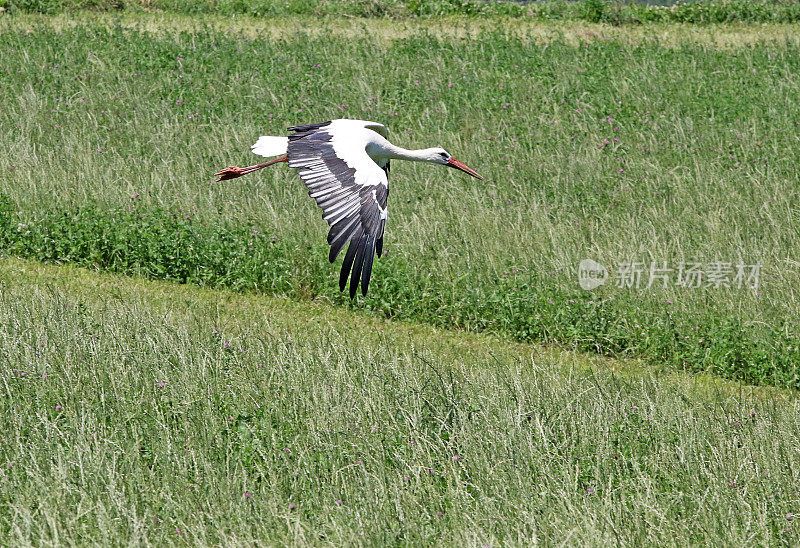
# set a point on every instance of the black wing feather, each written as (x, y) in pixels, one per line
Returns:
(379, 241)
(306, 130)
(340, 234)
(361, 246)
(369, 254)
(382, 197)
(347, 264)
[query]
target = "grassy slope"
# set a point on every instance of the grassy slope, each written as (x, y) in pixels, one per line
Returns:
(617, 12)
(386, 30)
(153, 413)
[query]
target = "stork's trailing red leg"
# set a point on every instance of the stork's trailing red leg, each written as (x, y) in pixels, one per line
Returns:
(234, 172)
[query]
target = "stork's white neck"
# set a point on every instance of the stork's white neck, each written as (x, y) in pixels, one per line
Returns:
(398, 153)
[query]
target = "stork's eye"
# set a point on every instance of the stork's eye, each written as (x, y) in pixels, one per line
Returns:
(443, 155)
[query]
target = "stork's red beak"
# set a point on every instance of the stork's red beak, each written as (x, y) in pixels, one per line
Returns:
(461, 167)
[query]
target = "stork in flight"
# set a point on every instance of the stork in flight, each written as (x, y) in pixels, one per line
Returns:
(345, 166)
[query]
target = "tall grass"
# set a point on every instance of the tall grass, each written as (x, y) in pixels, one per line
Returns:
(152, 413)
(604, 150)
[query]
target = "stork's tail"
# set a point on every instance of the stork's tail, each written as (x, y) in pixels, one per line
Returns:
(269, 146)
(233, 171)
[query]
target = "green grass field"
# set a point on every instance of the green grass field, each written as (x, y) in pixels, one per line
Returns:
(138, 412)
(613, 148)
(254, 403)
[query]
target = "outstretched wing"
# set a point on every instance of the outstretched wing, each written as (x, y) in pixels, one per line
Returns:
(349, 186)
(380, 129)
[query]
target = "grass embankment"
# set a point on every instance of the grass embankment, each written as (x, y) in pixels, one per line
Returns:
(136, 412)
(615, 149)
(616, 12)
(387, 30)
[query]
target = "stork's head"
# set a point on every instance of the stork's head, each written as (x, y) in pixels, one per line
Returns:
(441, 156)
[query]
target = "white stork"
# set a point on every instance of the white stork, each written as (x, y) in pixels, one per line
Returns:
(345, 166)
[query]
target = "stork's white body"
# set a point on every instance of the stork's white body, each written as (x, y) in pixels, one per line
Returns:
(357, 143)
(345, 166)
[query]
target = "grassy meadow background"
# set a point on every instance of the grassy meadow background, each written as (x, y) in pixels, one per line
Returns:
(281, 411)
(610, 149)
